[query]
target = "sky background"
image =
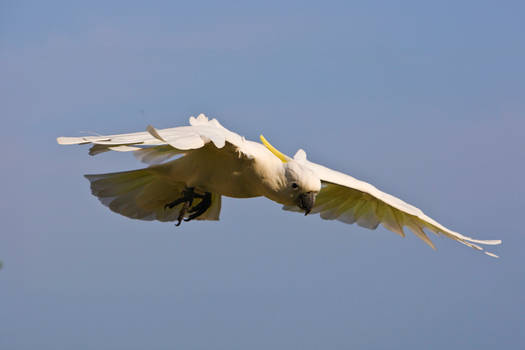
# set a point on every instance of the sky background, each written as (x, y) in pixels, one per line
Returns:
(423, 99)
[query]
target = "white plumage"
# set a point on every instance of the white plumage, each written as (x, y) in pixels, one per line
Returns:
(215, 162)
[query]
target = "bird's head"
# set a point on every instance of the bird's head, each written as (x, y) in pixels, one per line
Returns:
(301, 184)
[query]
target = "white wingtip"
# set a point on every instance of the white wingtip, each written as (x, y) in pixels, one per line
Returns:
(69, 140)
(79, 140)
(481, 241)
(201, 119)
(300, 155)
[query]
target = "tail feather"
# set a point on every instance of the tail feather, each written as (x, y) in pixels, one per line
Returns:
(142, 194)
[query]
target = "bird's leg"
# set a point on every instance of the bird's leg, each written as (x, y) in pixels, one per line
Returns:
(187, 199)
(188, 195)
(200, 208)
(182, 212)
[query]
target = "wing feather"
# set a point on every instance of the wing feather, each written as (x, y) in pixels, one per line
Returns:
(345, 213)
(142, 194)
(366, 214)
(156, 155)
(349, 200)
(388, 219)
(154, 146)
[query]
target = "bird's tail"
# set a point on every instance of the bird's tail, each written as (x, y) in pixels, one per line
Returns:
(143, 194)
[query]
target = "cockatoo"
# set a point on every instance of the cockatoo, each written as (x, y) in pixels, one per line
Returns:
(213, 162)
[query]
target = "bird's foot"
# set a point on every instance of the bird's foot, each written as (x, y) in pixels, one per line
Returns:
(200, 208)
(188, 195)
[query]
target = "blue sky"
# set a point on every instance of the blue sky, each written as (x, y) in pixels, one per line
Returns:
(424, 100)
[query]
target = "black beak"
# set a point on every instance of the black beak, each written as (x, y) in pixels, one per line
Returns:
(306, 201)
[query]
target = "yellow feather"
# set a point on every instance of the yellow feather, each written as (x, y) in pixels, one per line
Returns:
(274, 150)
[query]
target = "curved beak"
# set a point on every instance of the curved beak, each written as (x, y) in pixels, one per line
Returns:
(306, 201)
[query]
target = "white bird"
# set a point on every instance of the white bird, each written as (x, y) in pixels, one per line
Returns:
(215, 162)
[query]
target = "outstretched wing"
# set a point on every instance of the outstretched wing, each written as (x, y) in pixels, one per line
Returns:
(349, 200)
(143, 194)
(157, 145)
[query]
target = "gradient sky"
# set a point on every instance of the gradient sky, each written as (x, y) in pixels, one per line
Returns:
(423, 99)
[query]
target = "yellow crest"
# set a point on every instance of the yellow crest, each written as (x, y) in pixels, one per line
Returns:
(284, 158)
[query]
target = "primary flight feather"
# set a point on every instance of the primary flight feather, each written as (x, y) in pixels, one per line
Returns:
(215, 162)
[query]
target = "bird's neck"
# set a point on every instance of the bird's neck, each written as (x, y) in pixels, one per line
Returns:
(272, 178)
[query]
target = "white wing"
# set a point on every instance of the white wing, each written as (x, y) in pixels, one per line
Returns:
(157, 145)
(351, 201)
(142, 194)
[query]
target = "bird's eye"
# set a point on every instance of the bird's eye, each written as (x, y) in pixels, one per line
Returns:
(294, 185)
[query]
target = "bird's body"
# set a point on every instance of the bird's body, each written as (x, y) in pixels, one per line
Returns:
(209, 169)
(229, 172)
(215, 162)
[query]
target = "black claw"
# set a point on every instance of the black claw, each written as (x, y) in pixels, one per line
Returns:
(188, 195)
(198, 195)
(203, 203)
(183, 212)
(200, 208)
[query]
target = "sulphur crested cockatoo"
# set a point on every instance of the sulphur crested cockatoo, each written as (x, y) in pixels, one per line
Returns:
(215, 162)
